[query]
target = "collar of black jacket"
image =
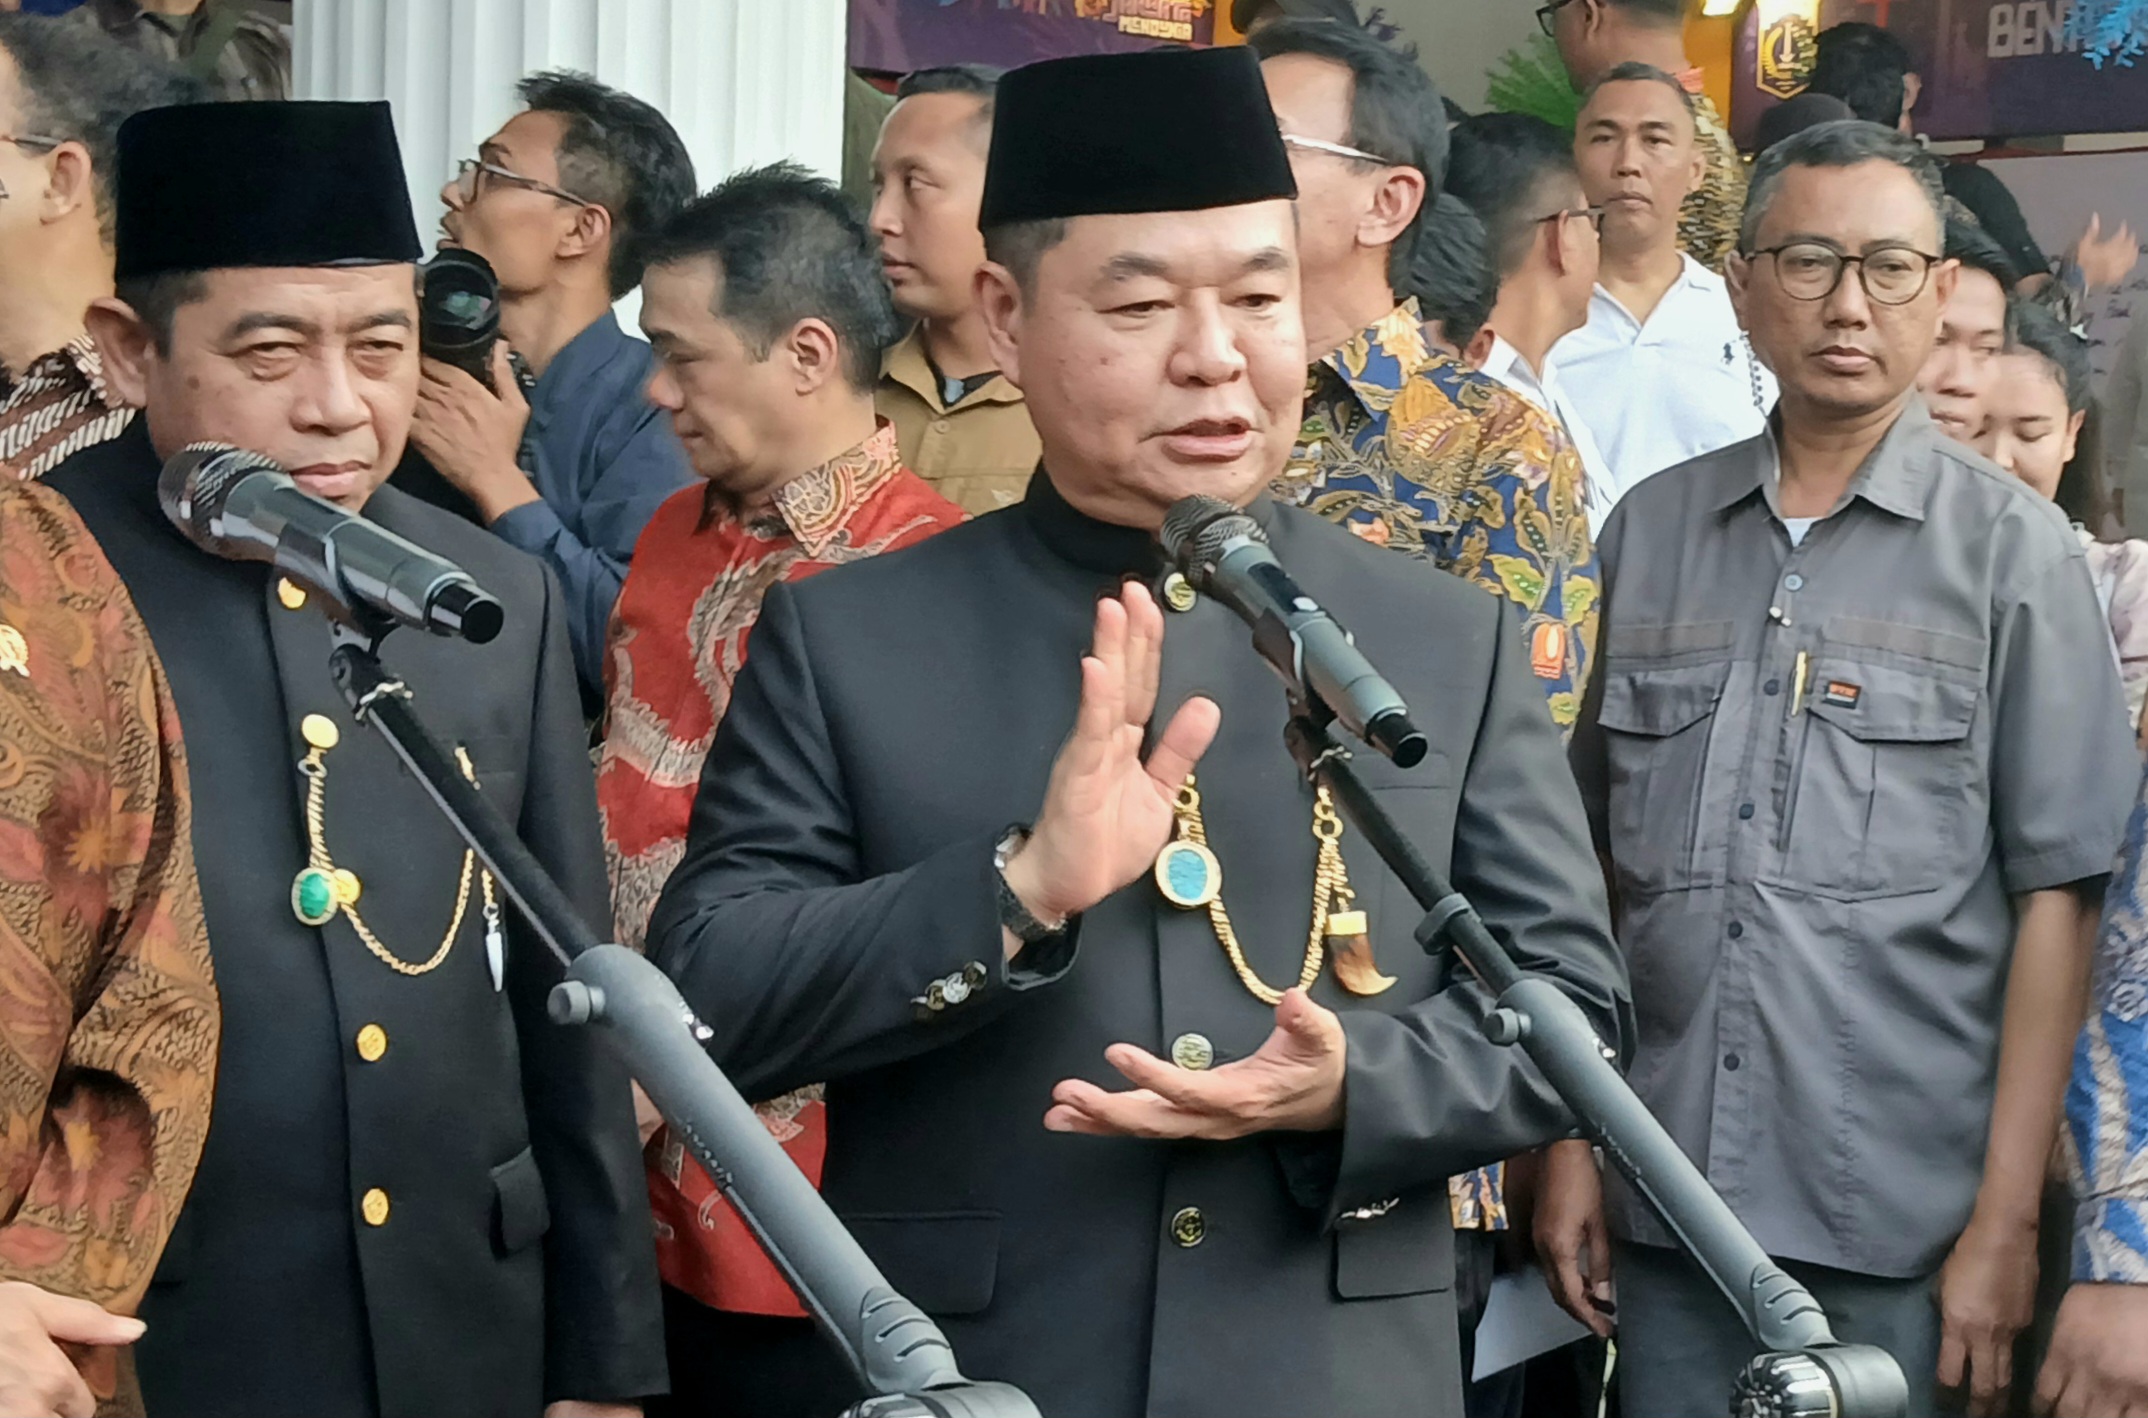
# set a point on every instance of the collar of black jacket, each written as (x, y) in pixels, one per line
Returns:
(1105, 547)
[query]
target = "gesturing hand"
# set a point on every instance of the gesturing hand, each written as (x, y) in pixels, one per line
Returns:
(1293, 1082)
(1107, 814)
(36, 1376)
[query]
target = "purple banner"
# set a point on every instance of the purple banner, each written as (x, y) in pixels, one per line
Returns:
(898, 36)
(1991, 68)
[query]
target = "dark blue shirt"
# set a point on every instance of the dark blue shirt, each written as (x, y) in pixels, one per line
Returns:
(603, 459)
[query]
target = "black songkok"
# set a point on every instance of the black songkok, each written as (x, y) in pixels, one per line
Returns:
(1168, 130)
(209, 186)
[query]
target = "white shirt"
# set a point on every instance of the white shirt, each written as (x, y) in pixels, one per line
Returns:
(1656, 393)
(1505, 364)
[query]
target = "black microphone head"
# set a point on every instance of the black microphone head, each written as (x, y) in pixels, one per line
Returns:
(198, 480)
(1195, 530)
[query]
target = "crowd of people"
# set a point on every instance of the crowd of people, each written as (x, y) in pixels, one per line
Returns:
(1738, 530)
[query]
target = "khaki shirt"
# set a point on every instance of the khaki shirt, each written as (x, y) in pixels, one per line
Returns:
(979, 453)
(254, 62)
(1821, 774)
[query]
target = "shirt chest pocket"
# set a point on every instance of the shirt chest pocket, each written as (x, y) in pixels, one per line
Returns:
(1882, 779)
(1659, 720)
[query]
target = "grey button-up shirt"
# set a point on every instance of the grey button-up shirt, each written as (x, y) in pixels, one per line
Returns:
(1820, 774)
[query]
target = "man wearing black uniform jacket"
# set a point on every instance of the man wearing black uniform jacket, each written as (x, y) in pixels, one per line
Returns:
(1260, 1226)
(418, 1195)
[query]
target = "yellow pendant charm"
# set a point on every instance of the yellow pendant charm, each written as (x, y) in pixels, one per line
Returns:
(1188, 874)
(1350, 947)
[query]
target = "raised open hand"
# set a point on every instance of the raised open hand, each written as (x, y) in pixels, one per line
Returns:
(1106, 812)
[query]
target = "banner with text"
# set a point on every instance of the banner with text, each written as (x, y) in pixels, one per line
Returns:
(899, 36)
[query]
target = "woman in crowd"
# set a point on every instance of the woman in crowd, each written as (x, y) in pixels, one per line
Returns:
(2041, 428)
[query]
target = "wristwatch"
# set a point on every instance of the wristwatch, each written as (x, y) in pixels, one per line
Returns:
(1016, 917)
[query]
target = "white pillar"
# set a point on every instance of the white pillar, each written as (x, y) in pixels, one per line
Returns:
(744, 81)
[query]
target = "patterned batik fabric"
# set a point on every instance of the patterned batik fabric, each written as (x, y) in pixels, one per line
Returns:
(677, 644)
(108, 1012)
(60, 406)
(2107, 1101)
(1410, 449)
(1708, 222)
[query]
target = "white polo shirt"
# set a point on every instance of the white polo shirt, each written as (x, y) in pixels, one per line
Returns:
(1505, 364)
(1655, 393)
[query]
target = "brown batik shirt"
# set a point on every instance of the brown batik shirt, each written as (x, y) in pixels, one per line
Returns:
(108, 1015)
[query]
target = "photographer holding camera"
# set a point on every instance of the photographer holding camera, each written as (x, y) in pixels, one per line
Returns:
(560, 202)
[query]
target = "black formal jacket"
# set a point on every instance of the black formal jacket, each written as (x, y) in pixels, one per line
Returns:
(514, 1265)
(893, 719)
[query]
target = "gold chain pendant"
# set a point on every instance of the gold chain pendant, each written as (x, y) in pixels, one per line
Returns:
(322, 890)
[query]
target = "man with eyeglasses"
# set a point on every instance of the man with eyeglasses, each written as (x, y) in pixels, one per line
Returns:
(561, 200)
(1402, 443)
(1859, 762)
(1659, 319)
(1517, 173)
(62, 98)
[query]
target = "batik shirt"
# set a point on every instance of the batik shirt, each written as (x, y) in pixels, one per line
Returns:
(1411, 450)
(677, 644)
(108, 1015)
(2107, 1102)
(1708, 222)
(60, 406)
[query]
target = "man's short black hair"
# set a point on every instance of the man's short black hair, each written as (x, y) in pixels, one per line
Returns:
(1504, 165)
(1973, 247)
(1864, 66)
(1659, 13)
(78, 87)
(619, 153)
(977, 80)
(1846, 142)
(1396, 113)
(788, 246)
(1451, 272)
(1633, 71)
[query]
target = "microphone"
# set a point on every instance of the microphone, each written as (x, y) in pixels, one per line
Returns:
(244, 507)
(1224, 552)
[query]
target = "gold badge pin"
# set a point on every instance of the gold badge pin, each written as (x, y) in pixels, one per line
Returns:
(372, 1043)
(374, 1207)
(290, 593)
(320, 731)
(14, 651)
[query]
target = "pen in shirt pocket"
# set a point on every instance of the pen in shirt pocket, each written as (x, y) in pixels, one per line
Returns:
(1797, 683)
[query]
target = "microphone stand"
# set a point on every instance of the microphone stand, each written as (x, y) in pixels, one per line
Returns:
(1803, 1370)
(895, 1351)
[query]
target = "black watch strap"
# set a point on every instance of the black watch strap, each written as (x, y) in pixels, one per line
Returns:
(1016, 917)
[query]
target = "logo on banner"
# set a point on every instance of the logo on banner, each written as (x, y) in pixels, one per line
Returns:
(1150, 19)
(1788, 46)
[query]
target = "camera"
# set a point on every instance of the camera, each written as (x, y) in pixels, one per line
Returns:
(459, 312)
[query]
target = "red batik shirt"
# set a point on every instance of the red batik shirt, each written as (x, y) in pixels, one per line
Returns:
(677, 643)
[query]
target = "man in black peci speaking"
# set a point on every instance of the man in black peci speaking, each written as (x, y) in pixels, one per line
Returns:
(1136, 1156)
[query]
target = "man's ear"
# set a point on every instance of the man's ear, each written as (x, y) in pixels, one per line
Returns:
(1738, 277)
(816, 355)
(1479, 348)
(590, 232)
(127, 347)
(73, 187)
(1912, 90)
(1395, 205)
(999, 300)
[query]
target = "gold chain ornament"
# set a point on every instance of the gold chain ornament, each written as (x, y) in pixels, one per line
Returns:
(322, 889)
(1189, 875)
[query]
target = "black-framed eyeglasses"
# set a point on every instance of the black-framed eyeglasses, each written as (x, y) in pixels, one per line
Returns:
(1545, 12)
(29, 143)
(1809, 270)
(471, 172)
(1593, 215)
